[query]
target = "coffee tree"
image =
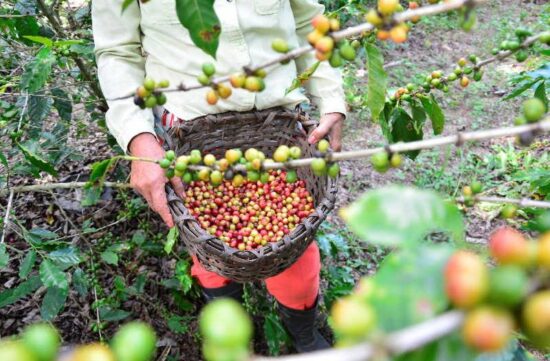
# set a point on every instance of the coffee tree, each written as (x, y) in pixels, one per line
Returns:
(427, 300)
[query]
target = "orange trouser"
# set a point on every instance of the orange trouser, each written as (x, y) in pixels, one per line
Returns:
(296, 287)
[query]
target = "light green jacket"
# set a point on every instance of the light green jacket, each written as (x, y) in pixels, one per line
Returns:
(148, 40)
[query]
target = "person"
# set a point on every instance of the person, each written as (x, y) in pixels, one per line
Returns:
(147, 40)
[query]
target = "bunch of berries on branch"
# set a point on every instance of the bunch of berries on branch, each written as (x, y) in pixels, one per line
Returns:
(149, 94)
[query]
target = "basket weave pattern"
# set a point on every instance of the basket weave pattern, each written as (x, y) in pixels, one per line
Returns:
(263, 130)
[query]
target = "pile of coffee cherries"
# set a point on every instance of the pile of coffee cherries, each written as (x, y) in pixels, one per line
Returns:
(252, 214)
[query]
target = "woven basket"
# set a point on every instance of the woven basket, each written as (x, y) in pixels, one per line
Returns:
(263, 130)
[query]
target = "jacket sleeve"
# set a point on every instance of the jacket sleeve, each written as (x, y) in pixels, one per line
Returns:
(121, 67)
(325, 86)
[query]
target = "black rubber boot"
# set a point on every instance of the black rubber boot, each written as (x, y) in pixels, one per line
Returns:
(301, 327)
(232, 290)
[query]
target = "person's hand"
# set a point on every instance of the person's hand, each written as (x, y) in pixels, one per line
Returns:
(148, 179)
(329, 123)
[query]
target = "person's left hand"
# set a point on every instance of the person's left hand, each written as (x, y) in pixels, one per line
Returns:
(329, 123)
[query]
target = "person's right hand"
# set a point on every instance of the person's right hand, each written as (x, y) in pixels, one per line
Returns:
(148, 179)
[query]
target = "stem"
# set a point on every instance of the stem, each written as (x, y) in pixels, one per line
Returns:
(338, 35)
(52, 186)
(522, 203)
(7, 216)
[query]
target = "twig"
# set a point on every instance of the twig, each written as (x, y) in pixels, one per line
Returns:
(397, 343)
(7, 217)
(51, 186)
(338, 35)
(23, 111)
(523, 203)
(13, 16)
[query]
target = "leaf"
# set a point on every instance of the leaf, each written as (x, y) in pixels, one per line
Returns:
(409, 288)
(39, 235)
(435, 113)
(8, 297)
(275, 334)
(27, 264)
(126, 3)
(178, 324)
(398, 215)
(38, 71)
(53, 302)
(384, 121)
(171, 239)
(376, 92)
(62, 104)
(39, 107)
(4, 256)
(521, 89)
(199, 18)
(40, 40)
(138, 238)
(99, 170)
(302, 78)
(540, 93)
(36, 161)
(80, 282)
(66, 257)
(183, 275)
(3, 159)
(109, 314)
(109, 257)
(405, 129)
(52, 276)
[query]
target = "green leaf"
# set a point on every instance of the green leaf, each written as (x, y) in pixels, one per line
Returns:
(397, 215)
(199, 18)
(27, 264)
(63, 104)
(435, 113)
(36, 161)
(52, 276)
(109, 314)
(99, 170)
(38, 109)
(80, 282)
(53, 302)
(384, 121)
(38, 71)
(178, 324)
(66, 257)
(183, 275)
(171, 240)
(378, 79)
(127, 3)
(8, 297)
(406, 129)
(40, 40)
(109, 257)
(302, 78)
(3, 159)
(4, 256)
(522, 88)
(540, 93)
(409, 288)
(275, 334)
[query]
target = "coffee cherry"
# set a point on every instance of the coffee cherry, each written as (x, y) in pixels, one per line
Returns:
(543, 251)
(335, 60)
(204, 174)
(225, 322)
(42, 340)
(399, 33)
(164, 83)
(223, 91)
(508, 211)
(314, 37)
(321, 23)
(165, 163)
(509, 247)
(323, 56)
(211, 97)
(233, 155)
(387, 7)
(464, 81)
(466, 279)
(195, 156)
(264, 178)
(536, 318)
(208, 69)
(170, 173)
(251, 154)
(319, 166)
(180, 166)
(203, 79)
(533, 109)
(323, 145)
(238, 180)
(545, 37)
(373, 18)
(451, 77)
(281, 154)
(352, 318)
(478, 74)
(93, 352)
(149, 84)
(396, 160)
(237, 80)
(380, 162)
(325, 44)
(467, 191)
(521, 55)
(150, 101)
(291, 176)
(462, 62)
(209, 160)
(135, 341)
(256, 164)
(508, 285)
(216, 177)
(253, 175)
(142, 92)
(170, 155)
(333, 170)
(280, 45)
(488, 329)
(295, 152)
(382, 34)
(223, 164)
(161, 99)
(476, 186)
(347, 51)
(254, 84)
